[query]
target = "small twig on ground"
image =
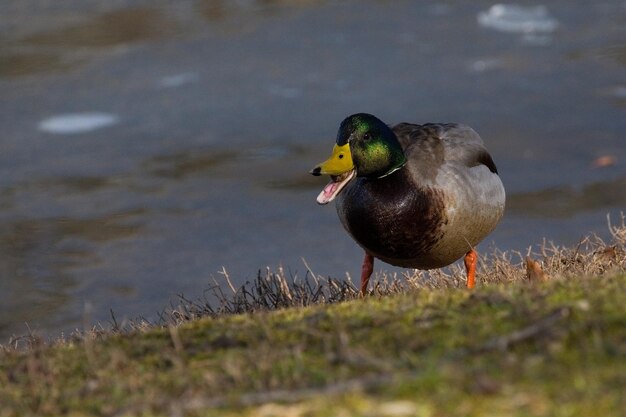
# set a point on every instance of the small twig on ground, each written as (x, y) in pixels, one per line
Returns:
(230, 284)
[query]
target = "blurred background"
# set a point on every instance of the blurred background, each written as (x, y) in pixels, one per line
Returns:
(145, 145)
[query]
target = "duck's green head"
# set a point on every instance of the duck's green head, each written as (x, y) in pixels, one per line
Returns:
(366, 147)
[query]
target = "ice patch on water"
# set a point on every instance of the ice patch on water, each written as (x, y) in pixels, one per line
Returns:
(518, 19)
(482, 65)
(172, 81)
(77, 122)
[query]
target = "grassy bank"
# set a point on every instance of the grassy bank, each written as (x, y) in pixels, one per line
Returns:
(551, 346)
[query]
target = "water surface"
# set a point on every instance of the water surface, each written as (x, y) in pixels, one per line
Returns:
(216, 111)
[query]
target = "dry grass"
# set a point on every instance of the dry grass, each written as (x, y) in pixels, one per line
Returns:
(273, 290)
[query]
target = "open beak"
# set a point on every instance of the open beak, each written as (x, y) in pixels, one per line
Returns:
(341, 170)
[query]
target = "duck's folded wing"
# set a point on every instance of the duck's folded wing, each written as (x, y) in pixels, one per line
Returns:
(444, 142)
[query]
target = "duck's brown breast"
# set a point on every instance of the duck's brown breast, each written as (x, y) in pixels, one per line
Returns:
(394, 220)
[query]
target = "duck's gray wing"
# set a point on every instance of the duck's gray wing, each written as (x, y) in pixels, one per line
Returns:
(436, 143)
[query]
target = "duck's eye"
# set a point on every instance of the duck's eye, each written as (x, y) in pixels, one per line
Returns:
(340, 156)
(367, 136)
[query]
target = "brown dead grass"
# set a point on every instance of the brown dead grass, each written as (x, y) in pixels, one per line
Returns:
(272, 290)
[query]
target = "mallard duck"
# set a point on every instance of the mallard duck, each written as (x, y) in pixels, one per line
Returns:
(414, 196)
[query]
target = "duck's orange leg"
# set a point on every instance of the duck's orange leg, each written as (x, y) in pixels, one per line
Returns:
(366, 272)
(470, 267)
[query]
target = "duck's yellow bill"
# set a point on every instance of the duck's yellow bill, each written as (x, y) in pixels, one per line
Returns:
(339, 162)
(341, 170)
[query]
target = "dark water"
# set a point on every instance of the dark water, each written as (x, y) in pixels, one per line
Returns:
(195, 123)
